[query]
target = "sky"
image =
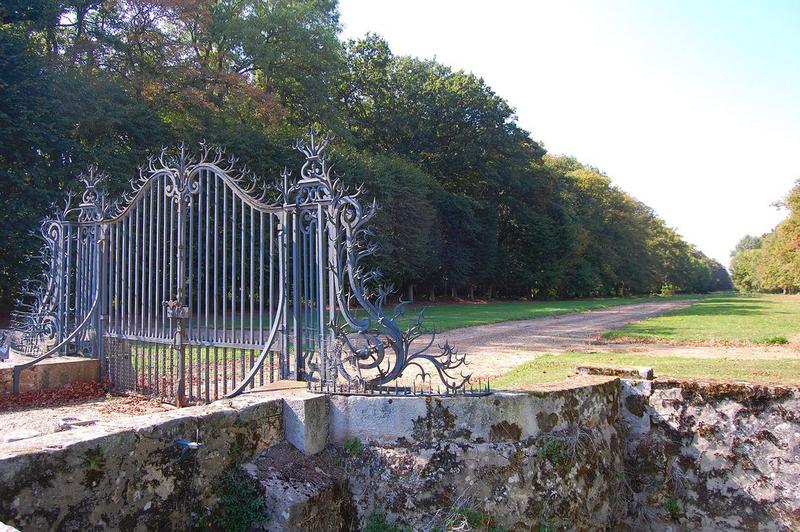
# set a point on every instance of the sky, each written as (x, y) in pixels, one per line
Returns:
(691, 106)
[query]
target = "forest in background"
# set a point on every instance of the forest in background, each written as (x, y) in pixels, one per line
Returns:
(470, 204)
(771, 262)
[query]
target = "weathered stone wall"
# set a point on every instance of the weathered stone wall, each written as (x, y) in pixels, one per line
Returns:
(131, 474)
(712, 456)
(550, 458)
(593, 453)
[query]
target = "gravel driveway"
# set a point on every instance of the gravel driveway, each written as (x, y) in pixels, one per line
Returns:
(495, 349)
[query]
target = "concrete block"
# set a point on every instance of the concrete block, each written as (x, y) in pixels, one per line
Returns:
(305, 421)
(51, 373)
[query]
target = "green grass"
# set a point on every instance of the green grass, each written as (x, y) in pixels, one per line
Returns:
(453, 316)
(724, 319)
(551, 368)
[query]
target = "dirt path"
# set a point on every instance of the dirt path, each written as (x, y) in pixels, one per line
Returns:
(495, 349)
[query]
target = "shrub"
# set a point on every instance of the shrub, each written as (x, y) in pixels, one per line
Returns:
(241, 505)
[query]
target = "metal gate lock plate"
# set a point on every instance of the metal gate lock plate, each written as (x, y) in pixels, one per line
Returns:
(174, 311)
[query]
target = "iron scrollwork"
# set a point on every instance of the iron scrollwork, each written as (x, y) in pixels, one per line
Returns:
(372, 349)
(339, 330)
(37, 322)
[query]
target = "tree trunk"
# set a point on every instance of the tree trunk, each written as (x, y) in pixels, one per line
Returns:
(454, 292)
(411, 293)
(432, 295)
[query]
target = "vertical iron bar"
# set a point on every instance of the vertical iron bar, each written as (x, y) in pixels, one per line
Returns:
(297, 316)
(272, 237)
(207, 275)
(241, 295)
(233, 276)
(172, 261)
(117, 280)
(283, 255)
(129, 275)
(78, 276)
(261, 287)
(321, 292)
(124, 275)
(143, 269)
(180, 295)
(68, 274)
(137, 229)
(99, 271)
(159, 251)
(196, 213)
(224, 265)
(252, 282)
(188, 217)
(151, 250)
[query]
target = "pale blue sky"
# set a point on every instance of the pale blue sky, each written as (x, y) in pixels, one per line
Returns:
(691, 106)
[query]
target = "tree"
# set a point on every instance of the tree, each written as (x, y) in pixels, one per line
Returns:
(744, 270)
(771, 263)
(748, 242)
(470, 205)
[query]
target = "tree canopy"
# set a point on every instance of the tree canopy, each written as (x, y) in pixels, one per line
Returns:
(471, 205)
(771, 263)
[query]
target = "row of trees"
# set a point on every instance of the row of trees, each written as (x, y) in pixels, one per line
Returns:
(771, 262)
(471, 205)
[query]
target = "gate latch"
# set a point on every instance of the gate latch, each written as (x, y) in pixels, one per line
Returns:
(175, 311)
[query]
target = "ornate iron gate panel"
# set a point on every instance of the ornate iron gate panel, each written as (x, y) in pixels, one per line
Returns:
(203, 282)
(193, 291)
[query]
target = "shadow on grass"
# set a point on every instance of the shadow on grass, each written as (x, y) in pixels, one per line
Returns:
(724, 307)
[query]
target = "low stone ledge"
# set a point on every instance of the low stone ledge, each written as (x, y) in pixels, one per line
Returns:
(132, 473)
(501, 416)
(738, 391)
(50, 373)
(621, 372)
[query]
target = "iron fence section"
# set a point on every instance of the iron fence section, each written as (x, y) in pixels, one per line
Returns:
(203, 282)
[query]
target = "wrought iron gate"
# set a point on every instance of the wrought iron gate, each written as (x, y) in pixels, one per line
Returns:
(203, 282)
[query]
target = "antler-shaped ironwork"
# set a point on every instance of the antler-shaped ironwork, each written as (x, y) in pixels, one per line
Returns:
(372, 350)
(37, 320)
(180, 168)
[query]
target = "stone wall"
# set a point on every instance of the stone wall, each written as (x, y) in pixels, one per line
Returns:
(630, 453)
(593, 453)
(712, 456)
(132, 474)
(514, 460)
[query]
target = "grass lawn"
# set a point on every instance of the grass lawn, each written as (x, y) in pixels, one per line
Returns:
(550, 368)
(725, 319)
(452, 316)
(455, 315)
